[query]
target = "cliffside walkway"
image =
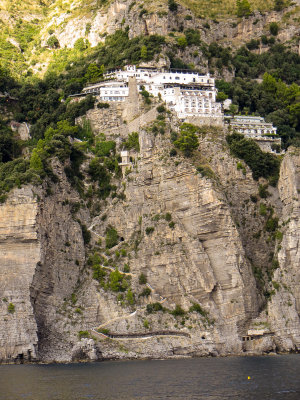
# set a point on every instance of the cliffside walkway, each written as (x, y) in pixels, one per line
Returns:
(147, 335)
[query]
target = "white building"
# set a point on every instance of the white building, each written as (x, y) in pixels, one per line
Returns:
(252, 127)
(187, 93)
(108, 91)
(256, 128)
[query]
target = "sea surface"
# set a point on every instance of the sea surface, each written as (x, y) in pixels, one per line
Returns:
(234, 378)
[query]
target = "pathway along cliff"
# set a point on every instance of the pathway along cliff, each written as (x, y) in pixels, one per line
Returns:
(196, 232)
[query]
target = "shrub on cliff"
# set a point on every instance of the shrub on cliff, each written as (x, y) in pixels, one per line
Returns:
(132, 143)
(243, 8)
(105, 148)
(187, 140)
(118, 282)
(173, 6)
(11, 308)
(112, 237)
(99, 174)
(262, 164)
(53, 42)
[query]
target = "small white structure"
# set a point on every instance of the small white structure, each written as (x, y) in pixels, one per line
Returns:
(125, 164)
(252, 127)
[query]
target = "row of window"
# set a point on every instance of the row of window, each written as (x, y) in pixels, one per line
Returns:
(200, 111)
(115, 98)
(257, 131)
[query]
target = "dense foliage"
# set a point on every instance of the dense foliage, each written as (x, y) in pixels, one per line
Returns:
(187, 141)
(262, 164)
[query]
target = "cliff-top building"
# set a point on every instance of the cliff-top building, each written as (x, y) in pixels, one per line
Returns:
(187, 93)
(264, 133)
(252, 127)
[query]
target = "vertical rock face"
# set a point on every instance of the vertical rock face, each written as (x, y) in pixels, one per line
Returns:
(180, 229)
(19, 255)
(61, 261)
(199, 259)
(284, 307)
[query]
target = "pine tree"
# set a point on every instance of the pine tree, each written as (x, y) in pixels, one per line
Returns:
(243, 8)
(173, 6)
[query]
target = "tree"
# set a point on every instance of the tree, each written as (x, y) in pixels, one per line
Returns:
(93, 72)
(144, 52)
(233, 109)
(35, 161)
(243, 8)
(130, 297)
(81, 44)
(53, 42)
(279, 5)
(188, 140)
(173, 6)
(221, 96)
(182, 42)
(274, 28)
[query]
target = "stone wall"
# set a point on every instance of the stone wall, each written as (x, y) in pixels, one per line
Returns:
(266, 144)
(210, 121)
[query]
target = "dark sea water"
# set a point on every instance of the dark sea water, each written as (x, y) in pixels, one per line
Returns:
(273, 377)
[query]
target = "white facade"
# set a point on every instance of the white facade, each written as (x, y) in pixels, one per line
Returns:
(185, 92)
(252, 127)
(188, 101)
(108, 91)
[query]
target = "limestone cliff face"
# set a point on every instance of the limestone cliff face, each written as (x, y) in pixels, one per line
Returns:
(201, 259)
(159, 20)
(204, 252)
(20, 252)
(284, 307)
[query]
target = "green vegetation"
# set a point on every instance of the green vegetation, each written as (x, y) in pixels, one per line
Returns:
(11, 308)
(105, 148)
(53, 42)
(112, 237)
(142, 279)
(178, 311)
(243, 8)
(149, 230)
(83, 334)
(132, 143)
(117, 281)
(146, 324)
(154, 307)
(187, 141)
(197, 308)
(276, 97)
(145, 293)
(262, 164)
(274, 28)
(279, 5)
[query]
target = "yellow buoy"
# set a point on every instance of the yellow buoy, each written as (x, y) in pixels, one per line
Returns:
(249, 377)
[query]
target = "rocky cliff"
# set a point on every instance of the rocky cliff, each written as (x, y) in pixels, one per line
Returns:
(191, 271)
